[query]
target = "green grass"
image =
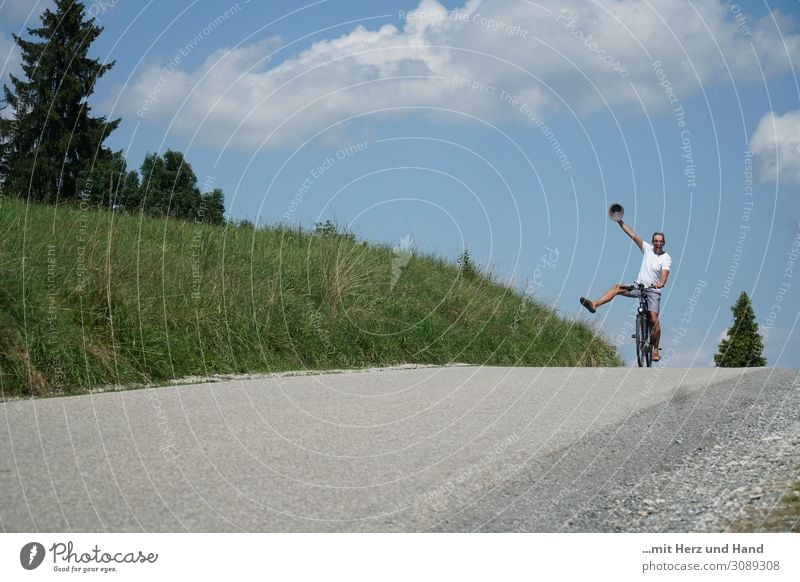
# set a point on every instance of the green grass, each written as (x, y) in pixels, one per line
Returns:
(89, 298)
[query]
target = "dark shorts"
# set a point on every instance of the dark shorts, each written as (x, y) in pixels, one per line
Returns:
(653, 298)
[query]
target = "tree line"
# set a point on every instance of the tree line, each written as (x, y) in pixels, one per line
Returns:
(51, 147)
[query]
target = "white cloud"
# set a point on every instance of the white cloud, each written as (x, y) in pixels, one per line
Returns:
(9, 55)
(776, 147)
(690, 357)
(781, 346)
(9, 63)
(17, 15)
(23, 11)
(586, 55)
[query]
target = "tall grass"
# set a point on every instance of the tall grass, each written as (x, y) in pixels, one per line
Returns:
(89, 298)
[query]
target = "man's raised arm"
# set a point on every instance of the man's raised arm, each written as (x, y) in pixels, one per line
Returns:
(629, 231)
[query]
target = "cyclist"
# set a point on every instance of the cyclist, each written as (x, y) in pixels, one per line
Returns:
(653, 274)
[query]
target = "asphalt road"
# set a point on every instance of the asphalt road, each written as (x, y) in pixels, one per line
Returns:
(429, 449)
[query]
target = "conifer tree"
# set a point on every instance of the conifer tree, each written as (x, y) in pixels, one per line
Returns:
(51, 141)
(743, 346)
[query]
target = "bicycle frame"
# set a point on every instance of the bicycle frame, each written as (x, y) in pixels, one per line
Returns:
(644, 328)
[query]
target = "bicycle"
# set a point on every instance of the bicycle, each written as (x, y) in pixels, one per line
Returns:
(644, 327)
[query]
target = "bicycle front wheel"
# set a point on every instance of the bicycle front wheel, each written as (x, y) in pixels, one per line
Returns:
(644, 355)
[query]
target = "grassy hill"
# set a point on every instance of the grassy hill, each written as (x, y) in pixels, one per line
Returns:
(89, 298)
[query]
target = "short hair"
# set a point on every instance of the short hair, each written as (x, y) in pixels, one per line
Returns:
(662, 236)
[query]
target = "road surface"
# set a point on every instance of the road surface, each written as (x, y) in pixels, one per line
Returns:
(427, 449)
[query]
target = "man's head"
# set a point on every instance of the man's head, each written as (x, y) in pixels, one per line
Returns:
(658, 241)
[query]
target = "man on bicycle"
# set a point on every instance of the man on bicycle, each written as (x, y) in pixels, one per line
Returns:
(652, 274)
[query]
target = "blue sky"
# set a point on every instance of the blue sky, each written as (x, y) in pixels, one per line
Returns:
(503, 126)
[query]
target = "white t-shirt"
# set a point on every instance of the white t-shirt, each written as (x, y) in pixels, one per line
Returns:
(652, 265)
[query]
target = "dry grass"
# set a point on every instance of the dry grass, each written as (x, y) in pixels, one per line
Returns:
(784, 517)
(36, 383)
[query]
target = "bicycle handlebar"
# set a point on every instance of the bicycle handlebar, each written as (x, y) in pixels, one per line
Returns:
(639, 286)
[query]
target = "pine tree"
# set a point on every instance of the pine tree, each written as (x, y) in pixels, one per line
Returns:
(466, 265)
(51, 141)
(743, 346)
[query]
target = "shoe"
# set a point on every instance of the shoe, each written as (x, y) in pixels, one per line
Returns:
(588, 304)
(656, 357)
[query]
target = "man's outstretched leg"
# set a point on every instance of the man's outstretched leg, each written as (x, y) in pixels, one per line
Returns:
(608, 296)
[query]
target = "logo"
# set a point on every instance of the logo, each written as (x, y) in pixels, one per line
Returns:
(31, 556)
